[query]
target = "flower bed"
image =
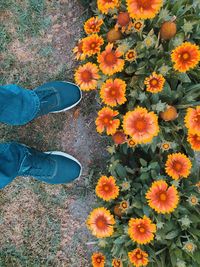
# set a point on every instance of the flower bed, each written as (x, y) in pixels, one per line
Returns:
(143, 59)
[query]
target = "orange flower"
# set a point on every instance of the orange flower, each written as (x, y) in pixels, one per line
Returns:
(93, 25)
(86, 76)
(105, 5)
(92, 44)
(124, 205)
(142, 9)
(141, 230)
(98, 259)
(138, 257)
(117, 263)
(194, 140)
(193, 200)
(78, 51)
(155, 83)
(162, 198)
(123, 19)
(169, 114)
(100, 222)
(141, 125)
(138, 25)
(131, 55)
(106, 188)
(192, 120)
(106, 122)
(124, 22)
(165, 146)
(185, 57)
(110, 61)
(131, 143)
(113, 92)
(178, 165)
(119, 137)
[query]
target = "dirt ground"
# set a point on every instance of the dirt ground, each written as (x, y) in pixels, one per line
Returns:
(40, 224)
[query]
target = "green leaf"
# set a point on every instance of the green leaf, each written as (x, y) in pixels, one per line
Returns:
(143, 162)
(146, 210)
(120, 170)
(144, 176)
(183, 77)
(172, 234)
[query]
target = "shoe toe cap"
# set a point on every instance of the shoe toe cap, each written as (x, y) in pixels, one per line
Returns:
(75, 93)
(67, 169)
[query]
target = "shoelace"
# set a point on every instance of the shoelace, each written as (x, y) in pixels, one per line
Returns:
(36, 164)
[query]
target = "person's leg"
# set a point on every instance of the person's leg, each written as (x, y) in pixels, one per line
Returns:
(18, 106)
(51, 167)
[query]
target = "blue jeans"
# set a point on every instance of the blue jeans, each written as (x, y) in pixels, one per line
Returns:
(17, 107)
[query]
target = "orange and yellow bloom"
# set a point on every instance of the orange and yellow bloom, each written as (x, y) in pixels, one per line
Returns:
(162, 198)
(124, 22)
(131, 55)
(185, 57)
(98, 259)
(138, 25)
(117, 263)
(78, 51)
(194, 140)
(93, 25)
(193, 200)
(110, 61)
(131, 143)
(141, 125)
(92, 44)
(101, 222)
(106, 121)
(141, 230)
(105, 5)
(124, 205)
(138, 257)
(86, 76)
(106, 188)
(178, 166)
(113, 92)
(192, 120)
(141, 9)
(154, 83)
(165, 146)
(119, 137)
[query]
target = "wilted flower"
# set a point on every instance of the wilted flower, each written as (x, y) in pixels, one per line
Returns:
(102, 243)
(187, 27)
(193, 200)
(164, 69)
(125, 186)
(149, 41)
(180, 263)
(185, 221)
(189, 246)
(160, 225)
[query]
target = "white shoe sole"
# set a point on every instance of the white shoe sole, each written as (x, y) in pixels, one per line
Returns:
(72, 106)
(59, 153)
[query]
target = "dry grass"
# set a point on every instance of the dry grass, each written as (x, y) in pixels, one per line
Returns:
(40, 224)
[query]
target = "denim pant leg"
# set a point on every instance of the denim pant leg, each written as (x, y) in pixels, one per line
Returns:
(17, 105)
(11, 158)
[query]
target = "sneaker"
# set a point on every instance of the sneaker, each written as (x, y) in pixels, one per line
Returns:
(52, 167)
(57, 96)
